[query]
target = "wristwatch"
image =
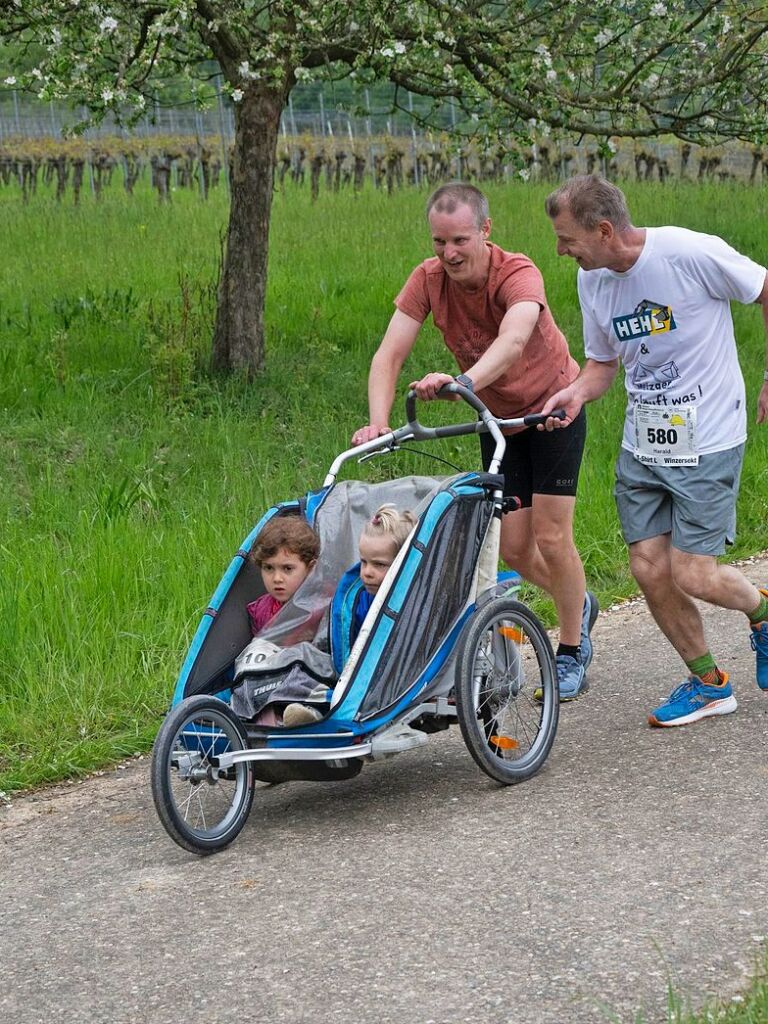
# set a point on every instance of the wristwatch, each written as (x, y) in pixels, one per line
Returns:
(465, 381)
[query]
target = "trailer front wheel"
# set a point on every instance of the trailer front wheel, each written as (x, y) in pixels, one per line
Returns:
(202, 806)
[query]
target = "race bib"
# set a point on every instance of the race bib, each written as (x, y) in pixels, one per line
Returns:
(665, 437)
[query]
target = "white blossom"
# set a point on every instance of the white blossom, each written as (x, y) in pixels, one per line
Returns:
(658, 10)
(108, 25)
(524, 173)
(551, 75)
(302, 74)
(603, 36)
(390, 51)
(107, 95)
(237, 95)
(10, 80)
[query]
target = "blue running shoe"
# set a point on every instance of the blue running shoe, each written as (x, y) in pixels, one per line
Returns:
(759, 641)
(693, 700)
(571, 677)
(589, 615)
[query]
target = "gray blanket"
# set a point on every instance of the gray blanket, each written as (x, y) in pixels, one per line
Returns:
(266, 675)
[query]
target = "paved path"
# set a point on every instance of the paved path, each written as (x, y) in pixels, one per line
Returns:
(420, 891)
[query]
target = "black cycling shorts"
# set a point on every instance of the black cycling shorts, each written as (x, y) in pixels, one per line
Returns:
(540, 461)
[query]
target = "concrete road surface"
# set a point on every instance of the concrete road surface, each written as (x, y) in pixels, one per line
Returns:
(420, 892)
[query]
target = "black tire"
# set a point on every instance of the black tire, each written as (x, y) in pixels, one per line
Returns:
(202, 809)
(506, 691)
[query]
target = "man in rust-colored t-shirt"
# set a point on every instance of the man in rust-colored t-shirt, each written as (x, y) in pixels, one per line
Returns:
(492, 311)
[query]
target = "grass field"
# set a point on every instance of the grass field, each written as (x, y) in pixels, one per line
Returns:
(130, 476)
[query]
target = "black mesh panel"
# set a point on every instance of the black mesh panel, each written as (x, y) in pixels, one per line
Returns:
(436, 597)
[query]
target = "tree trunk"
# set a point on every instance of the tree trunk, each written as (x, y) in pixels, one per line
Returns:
(238, 341)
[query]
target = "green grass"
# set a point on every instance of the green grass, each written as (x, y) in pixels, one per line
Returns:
(747, 1007)
(130, 476)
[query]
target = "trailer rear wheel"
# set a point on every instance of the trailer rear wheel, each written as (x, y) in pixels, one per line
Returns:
(506, 691)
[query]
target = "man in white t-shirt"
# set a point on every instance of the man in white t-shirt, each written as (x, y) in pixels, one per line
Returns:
(657, 300)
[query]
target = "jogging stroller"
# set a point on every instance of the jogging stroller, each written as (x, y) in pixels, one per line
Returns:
(445, 640)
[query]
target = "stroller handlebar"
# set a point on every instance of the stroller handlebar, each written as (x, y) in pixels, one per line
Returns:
(415, 431)
(486, 422)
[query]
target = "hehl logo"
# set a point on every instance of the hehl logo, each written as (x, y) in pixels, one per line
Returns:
(648, 318)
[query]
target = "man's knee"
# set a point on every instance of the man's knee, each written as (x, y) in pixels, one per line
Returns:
(650, 565)
(554, 540)
(695, 575)
(516, 538)
(552, 524)
(513, 551)
(554, 546)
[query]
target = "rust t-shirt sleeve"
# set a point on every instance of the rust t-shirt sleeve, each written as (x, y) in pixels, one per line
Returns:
(524, 283)
(413, 299)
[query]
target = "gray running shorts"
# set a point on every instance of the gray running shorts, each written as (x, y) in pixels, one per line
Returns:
(696, 504)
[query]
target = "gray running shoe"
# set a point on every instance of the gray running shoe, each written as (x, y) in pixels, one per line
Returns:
(571, 677)
(589, 615)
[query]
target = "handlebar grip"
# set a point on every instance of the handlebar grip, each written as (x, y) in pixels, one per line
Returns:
(447, 389)
(535, 418)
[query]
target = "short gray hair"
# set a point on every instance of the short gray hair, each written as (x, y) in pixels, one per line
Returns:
(590, 199)
(446, 198)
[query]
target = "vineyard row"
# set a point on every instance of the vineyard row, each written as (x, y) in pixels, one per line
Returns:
(388, 162)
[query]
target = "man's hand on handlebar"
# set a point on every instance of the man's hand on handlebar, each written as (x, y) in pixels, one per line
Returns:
(565, 400)
(368, 433)
(427, 388)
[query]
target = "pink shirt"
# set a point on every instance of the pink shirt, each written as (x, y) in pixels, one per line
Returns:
(469, 321)
(261, 611)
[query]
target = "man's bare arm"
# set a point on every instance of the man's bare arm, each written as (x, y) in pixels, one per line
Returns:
(762, 398)
(395, 347)
(593, 381)
(514, 331)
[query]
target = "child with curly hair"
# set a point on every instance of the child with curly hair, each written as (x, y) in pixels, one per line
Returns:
(286, 551)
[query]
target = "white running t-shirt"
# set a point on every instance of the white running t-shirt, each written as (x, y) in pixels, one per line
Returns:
(668, 319)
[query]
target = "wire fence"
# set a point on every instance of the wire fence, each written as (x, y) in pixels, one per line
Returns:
(182, 146)
(22, 117)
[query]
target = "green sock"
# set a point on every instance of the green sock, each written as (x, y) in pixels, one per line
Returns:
(761, 612)
(702, 666)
